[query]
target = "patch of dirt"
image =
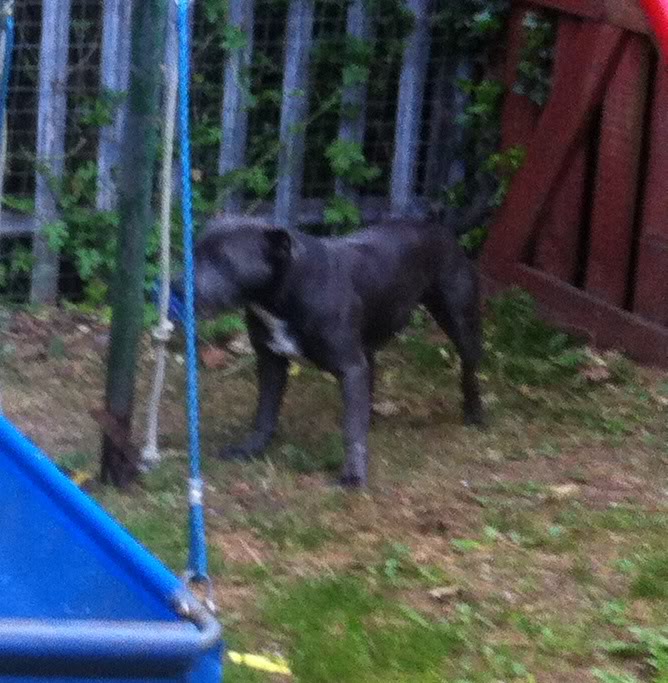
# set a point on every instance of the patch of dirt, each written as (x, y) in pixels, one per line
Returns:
(241, 547)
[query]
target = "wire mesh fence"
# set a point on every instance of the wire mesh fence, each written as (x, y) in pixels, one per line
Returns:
(312, 112)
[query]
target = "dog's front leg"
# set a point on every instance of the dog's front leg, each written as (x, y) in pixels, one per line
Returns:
(272, 375)
(355, 388)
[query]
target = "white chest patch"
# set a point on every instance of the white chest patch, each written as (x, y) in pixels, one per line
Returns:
(281, 341)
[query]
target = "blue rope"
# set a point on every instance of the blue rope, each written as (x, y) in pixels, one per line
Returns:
(7, 67)
(197, 563)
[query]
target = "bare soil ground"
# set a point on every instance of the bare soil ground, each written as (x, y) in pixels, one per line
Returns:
(516, 553)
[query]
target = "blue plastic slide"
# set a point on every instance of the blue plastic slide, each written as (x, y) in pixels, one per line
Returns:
(80, 599)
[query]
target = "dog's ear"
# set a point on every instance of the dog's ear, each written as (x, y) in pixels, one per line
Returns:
(279, 243)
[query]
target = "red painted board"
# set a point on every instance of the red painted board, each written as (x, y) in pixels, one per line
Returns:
(629, 15)
(520, 114)
(559, 237)
(651, 287)
(560, 132)
(587, 9)
(651, 299)
(617, 182)
(602, 324)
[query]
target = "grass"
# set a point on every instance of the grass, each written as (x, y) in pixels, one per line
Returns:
(357, 633)
(533, 551)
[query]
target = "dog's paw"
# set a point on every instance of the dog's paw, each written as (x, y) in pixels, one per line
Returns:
(352, 482)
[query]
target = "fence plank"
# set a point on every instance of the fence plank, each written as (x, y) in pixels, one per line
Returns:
(629, 15)
(559, 240)
(234, 113)
(562, 126)
(622, 13)
(617, 181)
(651, 293)
(294, 107)
(409, 109)
(359, 25)
(587, 9)
(439, 142)
(445, 164)
(520, 114)
(51, 117)
(114, 75)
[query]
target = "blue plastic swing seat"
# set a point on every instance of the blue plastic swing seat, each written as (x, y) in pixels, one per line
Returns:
(80, 599)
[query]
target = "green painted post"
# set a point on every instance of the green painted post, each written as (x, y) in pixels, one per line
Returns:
(137, 168)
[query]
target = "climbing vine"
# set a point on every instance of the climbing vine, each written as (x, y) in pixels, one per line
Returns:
(534, 71)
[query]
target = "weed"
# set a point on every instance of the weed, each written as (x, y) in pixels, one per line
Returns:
(223, 327)
(523, 348)
(465, 545)
(398, 568)
(649, 645)
(615, 613)
(529, 529)
(624, 519)
(427, 357)
(651, 579)
(559, 638)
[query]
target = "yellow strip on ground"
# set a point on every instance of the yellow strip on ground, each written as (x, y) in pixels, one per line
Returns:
(274, 665)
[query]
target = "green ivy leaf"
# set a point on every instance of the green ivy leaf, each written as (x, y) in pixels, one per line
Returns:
(21, 262)
(25, 205)
(56, 234)
(234, 38)
(342, 213)
(347, 161)
(88, 262)
(355, 74)
(257, 181)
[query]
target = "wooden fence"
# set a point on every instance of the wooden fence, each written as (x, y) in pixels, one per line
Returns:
(585, 225)
(420, 116)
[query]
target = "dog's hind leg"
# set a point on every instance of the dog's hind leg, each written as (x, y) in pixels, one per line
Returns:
(454, 304)
(355, 383)
(272, 375)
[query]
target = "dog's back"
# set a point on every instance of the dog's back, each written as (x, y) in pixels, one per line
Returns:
(393, 266)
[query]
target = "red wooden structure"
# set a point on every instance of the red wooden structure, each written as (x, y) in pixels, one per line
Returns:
(585, 225)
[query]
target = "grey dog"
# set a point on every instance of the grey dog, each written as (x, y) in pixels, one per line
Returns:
(335, 301)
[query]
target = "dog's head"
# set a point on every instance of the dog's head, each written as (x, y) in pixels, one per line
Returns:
(234, 267)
